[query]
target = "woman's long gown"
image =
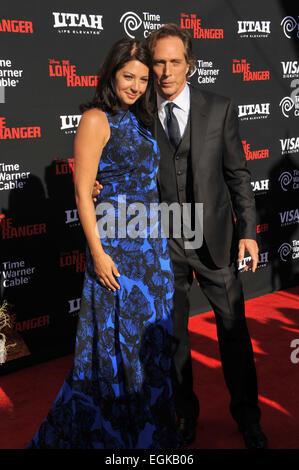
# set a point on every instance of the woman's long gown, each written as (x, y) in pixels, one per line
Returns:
(118, 394)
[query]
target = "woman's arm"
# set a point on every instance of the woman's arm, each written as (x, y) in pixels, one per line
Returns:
(92, 135)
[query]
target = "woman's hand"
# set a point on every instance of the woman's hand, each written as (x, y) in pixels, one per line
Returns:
(97, 187)
(106, 271)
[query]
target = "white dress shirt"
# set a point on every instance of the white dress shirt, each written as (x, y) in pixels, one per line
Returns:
(181, 110)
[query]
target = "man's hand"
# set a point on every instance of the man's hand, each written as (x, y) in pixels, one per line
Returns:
(249, 245)
(97, 187)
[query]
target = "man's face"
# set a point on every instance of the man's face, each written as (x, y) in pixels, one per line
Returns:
(170, 67)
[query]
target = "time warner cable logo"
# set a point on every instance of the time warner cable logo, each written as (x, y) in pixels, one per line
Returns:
(206, 72)
(286, 178)
(289, 251)
(7, 71)
(289, 24)
(132, 22)
(289, 105)
(284, 251)
(286, 105)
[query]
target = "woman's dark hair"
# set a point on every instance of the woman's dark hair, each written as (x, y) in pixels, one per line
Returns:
(105, 96)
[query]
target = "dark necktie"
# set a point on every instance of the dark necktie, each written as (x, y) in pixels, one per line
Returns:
(172, 125)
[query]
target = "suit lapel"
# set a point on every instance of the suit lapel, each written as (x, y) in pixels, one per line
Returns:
(199, 120)
(163, 142)
(199, 110)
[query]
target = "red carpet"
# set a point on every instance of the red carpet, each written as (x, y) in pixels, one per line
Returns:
(27, 395)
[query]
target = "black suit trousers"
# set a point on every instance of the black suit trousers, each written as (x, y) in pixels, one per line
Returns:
(223, 289)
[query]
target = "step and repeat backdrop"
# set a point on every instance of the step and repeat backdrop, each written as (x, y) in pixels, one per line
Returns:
(49, 58)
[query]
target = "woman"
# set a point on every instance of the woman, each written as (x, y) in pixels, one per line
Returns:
(118, 394)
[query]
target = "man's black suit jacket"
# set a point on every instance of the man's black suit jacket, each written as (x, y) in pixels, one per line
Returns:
(221, 179)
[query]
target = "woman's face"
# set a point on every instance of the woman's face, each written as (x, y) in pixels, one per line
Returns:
(131, 82)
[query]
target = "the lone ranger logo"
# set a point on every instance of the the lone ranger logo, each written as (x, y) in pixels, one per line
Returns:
(254, 154)
(290, 27)
(16, 26)
(70, 123)
(32, 132)
(64, 166)
(206, 72)
(289, 146)
(191, 22)
(73, 258)
(25, 325)
(288, 180)
(250, 112)
(78, 23)
(64, 69)
(244, 67)
(10, 231)
(289, 251)
(261, 228)
(148, 21)
(254, 29)
(290, 69)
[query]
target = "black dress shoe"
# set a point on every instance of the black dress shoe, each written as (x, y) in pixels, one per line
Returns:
(187, 430)
(254, 437)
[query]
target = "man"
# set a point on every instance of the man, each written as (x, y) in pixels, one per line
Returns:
(202, 160)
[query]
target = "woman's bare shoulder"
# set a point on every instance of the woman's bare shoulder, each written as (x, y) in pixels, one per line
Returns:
(95, 116)
(94, 124)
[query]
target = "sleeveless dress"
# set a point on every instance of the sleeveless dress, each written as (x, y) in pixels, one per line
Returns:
(118, 393)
